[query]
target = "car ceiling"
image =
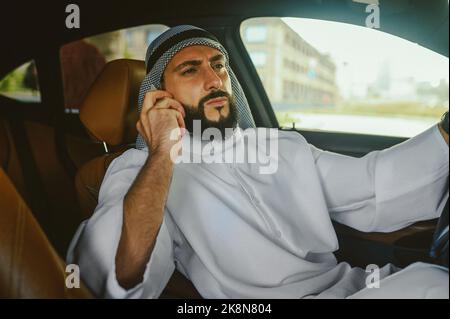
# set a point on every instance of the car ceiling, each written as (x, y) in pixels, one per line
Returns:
(32, 29)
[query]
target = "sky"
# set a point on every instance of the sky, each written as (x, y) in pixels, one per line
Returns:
(359, 53)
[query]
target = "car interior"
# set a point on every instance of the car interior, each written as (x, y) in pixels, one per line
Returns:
(52, 161)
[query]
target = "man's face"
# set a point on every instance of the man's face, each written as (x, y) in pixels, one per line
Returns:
(197, 78)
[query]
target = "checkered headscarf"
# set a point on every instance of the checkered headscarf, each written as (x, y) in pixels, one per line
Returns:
(164, 48)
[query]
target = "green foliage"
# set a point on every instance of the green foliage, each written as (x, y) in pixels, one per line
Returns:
(13, 81)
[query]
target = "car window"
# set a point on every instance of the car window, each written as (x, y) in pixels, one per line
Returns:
(331, 76)
(82, 60)
(22, 84)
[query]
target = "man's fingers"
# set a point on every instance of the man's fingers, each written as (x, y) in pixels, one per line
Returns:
(151, 98)
(179, 108)
(143, 129)
(176, 113)
(180, 120)
(139, 127)
(168, 103)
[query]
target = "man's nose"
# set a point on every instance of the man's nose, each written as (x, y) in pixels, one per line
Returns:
(212, 79)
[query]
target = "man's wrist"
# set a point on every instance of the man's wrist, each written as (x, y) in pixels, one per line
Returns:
(162, 156)
(443, 127)
(444, 122)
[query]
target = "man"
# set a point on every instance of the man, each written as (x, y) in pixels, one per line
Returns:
(234, 232)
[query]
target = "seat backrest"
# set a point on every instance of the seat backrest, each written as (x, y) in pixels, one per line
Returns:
(29, 266)
(9, 158)
(109, 113)
(88, 181)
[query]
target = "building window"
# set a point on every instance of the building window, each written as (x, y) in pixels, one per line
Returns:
(259, 58)
(256, 33)
(152, 35)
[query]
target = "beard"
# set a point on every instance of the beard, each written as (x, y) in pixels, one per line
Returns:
(198, 113)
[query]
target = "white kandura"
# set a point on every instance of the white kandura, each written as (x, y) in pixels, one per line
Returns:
(236, 233)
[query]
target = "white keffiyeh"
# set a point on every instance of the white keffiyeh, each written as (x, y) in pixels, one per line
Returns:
(156, 61)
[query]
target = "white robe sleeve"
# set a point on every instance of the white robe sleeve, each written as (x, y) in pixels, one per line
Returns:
(95, 243)
(390, 189)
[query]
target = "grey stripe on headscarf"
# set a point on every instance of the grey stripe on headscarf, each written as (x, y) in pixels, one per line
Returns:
(153, 78)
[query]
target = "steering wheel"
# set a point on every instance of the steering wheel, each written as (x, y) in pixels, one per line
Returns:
(439, 247)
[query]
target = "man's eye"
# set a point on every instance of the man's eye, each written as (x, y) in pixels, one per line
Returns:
(219, 66)
(189, 71)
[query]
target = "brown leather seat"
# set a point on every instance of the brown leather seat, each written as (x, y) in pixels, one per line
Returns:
(29, 266)
(109, 113)
(9, 158)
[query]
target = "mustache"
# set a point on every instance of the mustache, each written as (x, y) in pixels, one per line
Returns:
(213, 95)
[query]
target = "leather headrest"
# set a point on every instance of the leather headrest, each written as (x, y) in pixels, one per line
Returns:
(109, 110)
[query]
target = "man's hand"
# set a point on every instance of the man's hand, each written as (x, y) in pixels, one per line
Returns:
(160, 115)
(444, 124)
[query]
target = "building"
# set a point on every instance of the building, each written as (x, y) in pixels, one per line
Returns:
(129, 43)
(137, 39)
(294, 73)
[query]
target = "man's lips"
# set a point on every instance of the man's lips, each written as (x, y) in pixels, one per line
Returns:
(220, 101)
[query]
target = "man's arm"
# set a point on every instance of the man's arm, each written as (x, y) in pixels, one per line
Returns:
(389, 189)
(143, 207)
(143, 214)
